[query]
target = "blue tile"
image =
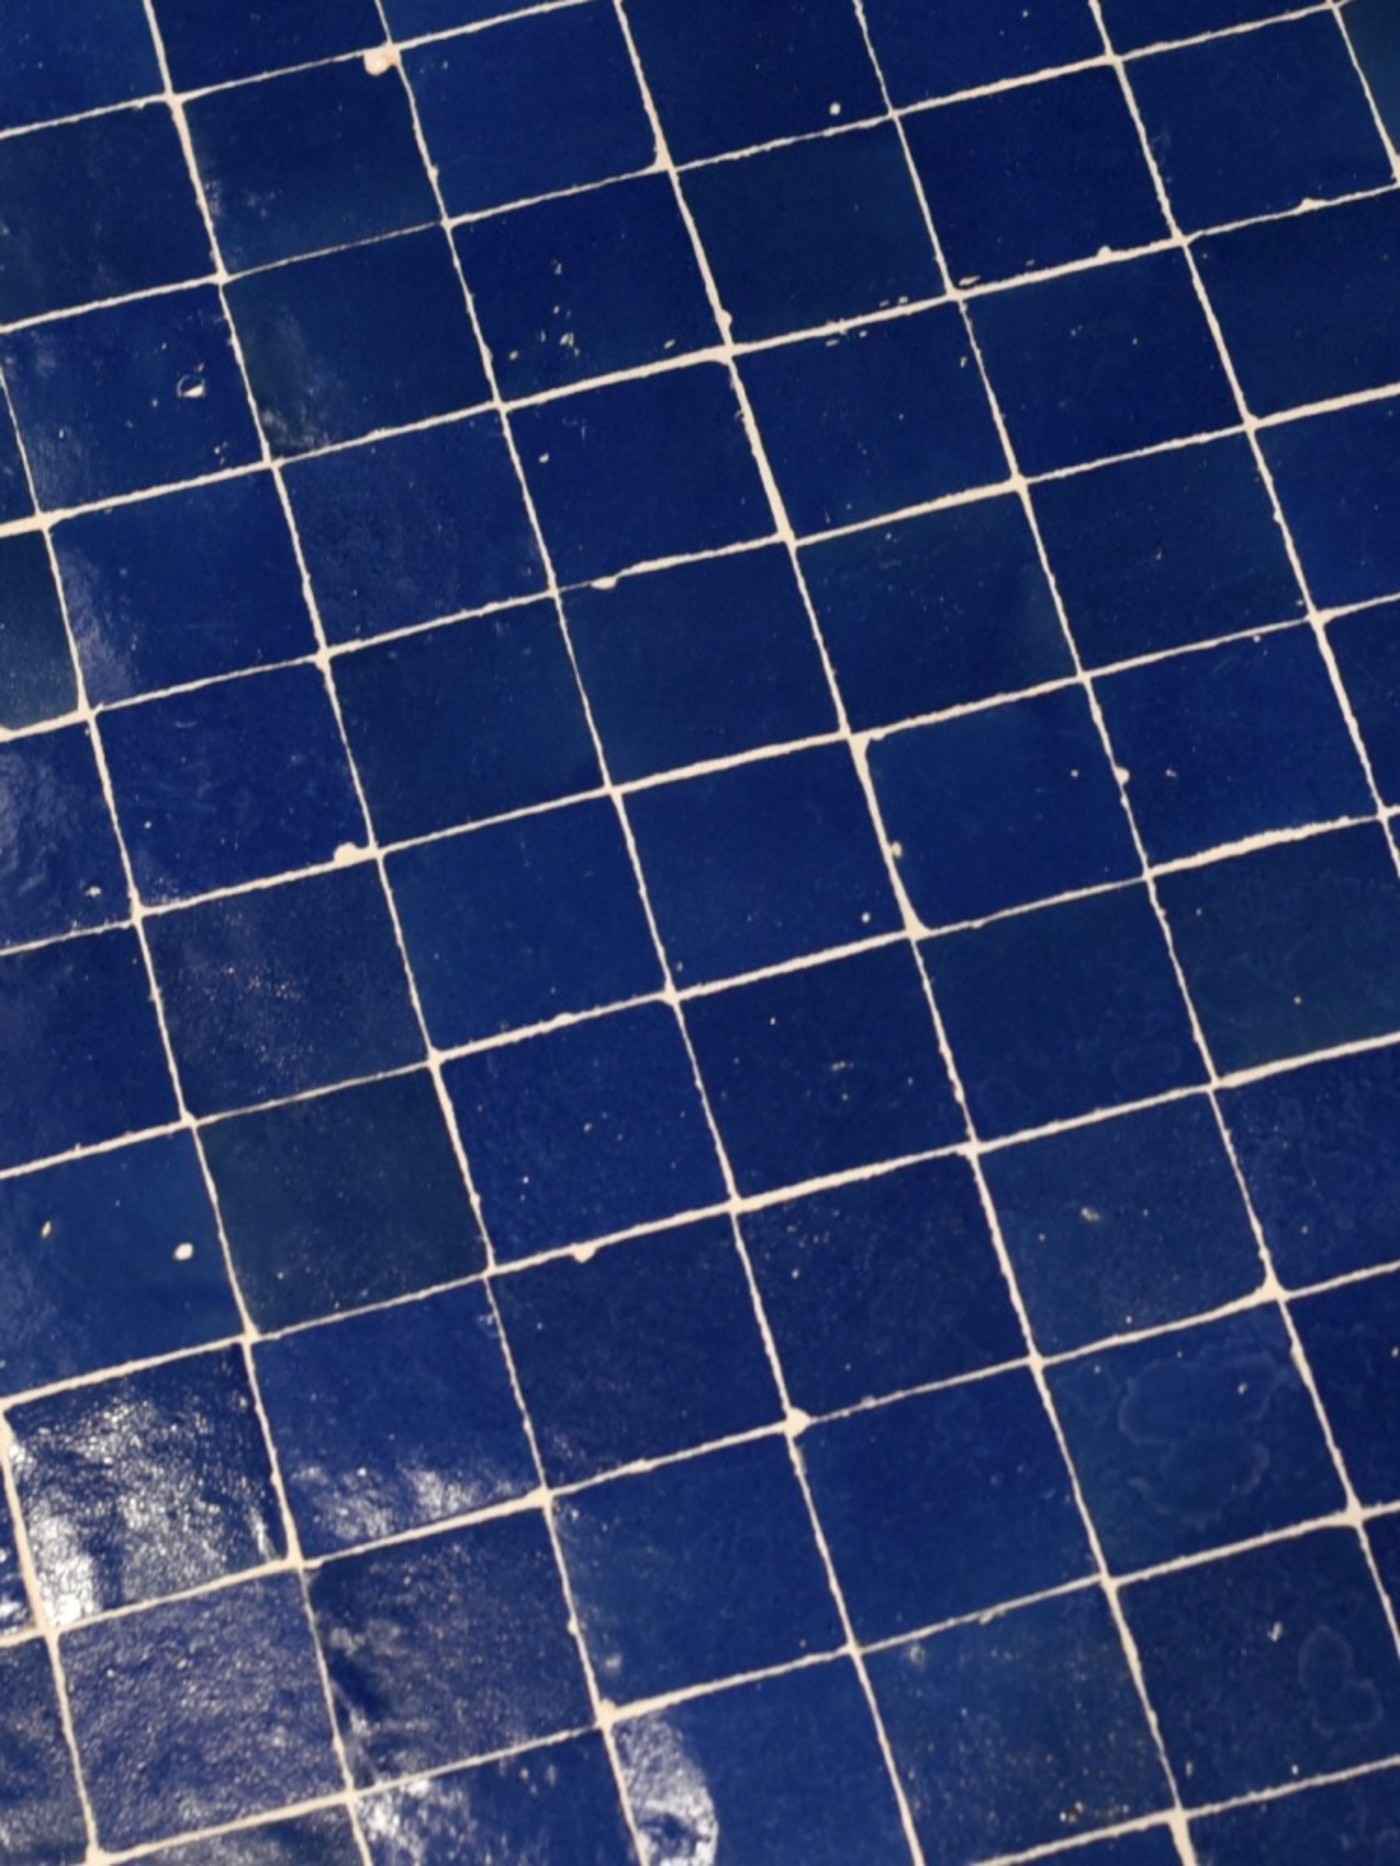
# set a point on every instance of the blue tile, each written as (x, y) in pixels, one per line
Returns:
(132, 396)
(936, 611)
(1292, 948)
(449, 1647)
(15, 501)
(530, 107)
(1350, 1336)
(207, 42)
(1103, 362)
(1002, 808)
(342, 1200)
(1010, 1732)
(1367, 651)
(283, 989)
(324, 1838)
(1344, 1824)
(650, 1347)
(1062, 1011)
(149, 1484)
(586, 284)
(1035, 176)
(882, 1285)
(14, 1600)
(410, 18)
(696, 1571)
(1135, 23)
(523, 921)
(1370, 26)
(585, 1131)
(62, 869)
(1125, 1224)
(819, 230)
(36, 667)
(1148, 1846)
(876, 419)
(824, 1069)
(923, 55)
(394, 1420)
(199, 1711)
(58, 65)
(1338, 478)
(41, 1818)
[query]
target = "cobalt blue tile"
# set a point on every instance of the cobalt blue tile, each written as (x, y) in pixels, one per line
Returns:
(41, 1818)
(887, 416)
(1350, 1336)
(283, 989)
(1125, 1224)
(935, 611)
(36, 667)
(207, 42)
(448, 1647)
(1353, 1823)
(1268, 1666)
(750, 867)
(638, 470)
(62, 869)
(148, 1484)
(96, 209)
(135, 395)
(882, 1285)
(1338, 478)
(231, 783)
(394, 1420)
(466, 722)
(324, 1838)
(315, 159)
(343, 1200)
(411, 18)
(945, 1504)
(933, 54)
(1102, 362)
(413, 528)
(585, 285)
(523, 921)
(56, 64)
(1135, 23)
(1147, 1846)
(1231, 742)
(815, 231)
(1002, 807)
(374, 336)
(1370, 26)
(1035, 176)
(700, 661)
(15, 501)
(650, 1347)
(14, 1601)
(1058, 1012)
(587, 1130)
(529, 107)
(199, 1711)
(1367, 651)
(696, 1571)
(791, 1767)
(80, 1052)
(1010, 1732)
(824, 1069)
(1291, 948)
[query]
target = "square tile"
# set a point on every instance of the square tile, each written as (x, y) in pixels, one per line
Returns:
(62, 869)
(150, 1484)
(1367, 651)
(1371, 30)
(824, 1069)
(1002, 807)
(14, 1600)
(57, 66)
(410, 18)
(1135, 23)
(15, 501)
(1341, 1822)
(42, 1818)
(1146, 1846)
(956, 50)
(321, 1839)
(207, 42)
(1351, 1337)
(36, 666)
(1338, 478)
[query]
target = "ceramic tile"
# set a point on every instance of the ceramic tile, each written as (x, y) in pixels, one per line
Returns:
(1371, 31)
(957, 51)
(1365, 648)
(321, 1839)
(1350, 1336)
(14, 1595)
(58, 66)
(15, 500)
(36, 666)
(41, 1817)
(207, 43)
(62, 868)
(1340, 490)
(1357, 1818)
(1145, 1846)
(1134, 23)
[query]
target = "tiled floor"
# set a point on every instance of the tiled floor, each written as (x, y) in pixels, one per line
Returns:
(700, 997)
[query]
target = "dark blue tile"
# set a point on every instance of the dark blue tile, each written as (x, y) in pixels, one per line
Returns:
(15, 501)
(149, 1484)
(1148, 1846)
(586, 284)
(231, 783)
(648, 1348)
(816, 231)
(41, 1819)
(14, 1601)
(882, 1285)
(640, 470)
(530, 107)
(136, 395)
(1351, 1337)
(394, 1420)
(933, 54)
(700, 661)
(1002, 807)
(199, 1711)
(1135, 23)
(1338, 478)
(936, 611)
(36, 667)
(1009, 1732)
(1370, 26)
(523, 921)
(1035, 176)
(342, 1200)
(1103, 362)
(324, 1838)
(587, 1130)
(824, 1069)
(1055, 1013)
(448, 1647)
(1383, 1533)
(876, 419)
(1353, 1823)
(56, 64)
(466, 722)
(1124, 1224)
(96, 209)
(696, 1571)
(1292, 948)
(410, 18)
(283, 989)
(1367, 650)
(207, 42)
(62, 869)
(1268, 1666)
